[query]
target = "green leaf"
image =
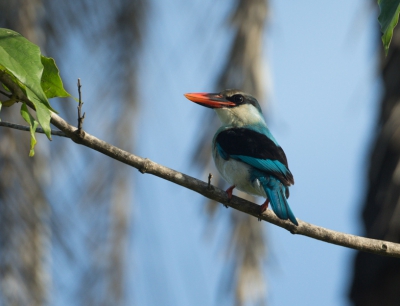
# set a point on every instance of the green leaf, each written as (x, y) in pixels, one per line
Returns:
(22, 59)
(388, 19)
(51, 81)
(32, 126)
(42, 112)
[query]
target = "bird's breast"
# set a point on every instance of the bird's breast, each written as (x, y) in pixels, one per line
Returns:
(237, 173)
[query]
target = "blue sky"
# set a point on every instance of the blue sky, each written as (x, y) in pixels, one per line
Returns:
(321, 70)
(324, 89)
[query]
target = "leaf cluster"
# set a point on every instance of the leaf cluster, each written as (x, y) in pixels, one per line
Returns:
(36, 75)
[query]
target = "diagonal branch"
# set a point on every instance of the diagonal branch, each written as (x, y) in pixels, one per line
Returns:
(145, 165)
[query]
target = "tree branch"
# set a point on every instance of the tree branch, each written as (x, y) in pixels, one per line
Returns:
(145, 165)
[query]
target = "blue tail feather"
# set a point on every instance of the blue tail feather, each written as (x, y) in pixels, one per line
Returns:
(275, 191)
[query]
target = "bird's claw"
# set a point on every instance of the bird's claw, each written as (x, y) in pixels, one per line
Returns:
(260, 215)
(263, 208)
(229, 194)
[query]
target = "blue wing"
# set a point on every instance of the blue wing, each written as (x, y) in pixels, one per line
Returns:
(257, 149)
(274, 167)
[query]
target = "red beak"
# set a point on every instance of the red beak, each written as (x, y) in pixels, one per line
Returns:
(211, 100)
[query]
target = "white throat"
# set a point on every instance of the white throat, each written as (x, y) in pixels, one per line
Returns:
(245, 114)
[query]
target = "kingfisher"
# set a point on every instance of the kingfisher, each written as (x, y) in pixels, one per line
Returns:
(244, 151)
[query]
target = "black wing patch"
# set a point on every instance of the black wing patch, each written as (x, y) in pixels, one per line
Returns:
(242, 141)
(246, 142)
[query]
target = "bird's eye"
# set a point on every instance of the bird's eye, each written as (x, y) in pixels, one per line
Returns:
(238, 99)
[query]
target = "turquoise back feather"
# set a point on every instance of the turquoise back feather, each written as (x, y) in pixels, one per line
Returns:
(275, 191)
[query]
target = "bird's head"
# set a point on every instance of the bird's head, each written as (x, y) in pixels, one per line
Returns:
(232, 106)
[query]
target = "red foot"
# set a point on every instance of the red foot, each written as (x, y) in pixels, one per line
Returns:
(229, 193)
(263, 208)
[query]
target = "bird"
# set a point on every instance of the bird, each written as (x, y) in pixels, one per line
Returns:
(244, 151)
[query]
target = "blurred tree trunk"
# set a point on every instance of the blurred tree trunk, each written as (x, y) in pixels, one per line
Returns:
(92, 213)
(243, 70)
(376, 279)
(24, 210)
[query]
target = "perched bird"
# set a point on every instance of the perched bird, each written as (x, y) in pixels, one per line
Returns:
(245, 152)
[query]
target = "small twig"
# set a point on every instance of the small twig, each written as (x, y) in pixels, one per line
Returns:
(80, 117)
(26, 128)
(209, 180)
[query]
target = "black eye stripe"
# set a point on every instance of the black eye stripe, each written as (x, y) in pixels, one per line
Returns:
(239, 99)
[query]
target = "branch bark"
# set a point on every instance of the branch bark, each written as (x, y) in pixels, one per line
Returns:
(144, 165)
